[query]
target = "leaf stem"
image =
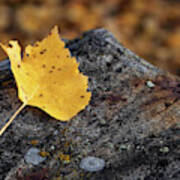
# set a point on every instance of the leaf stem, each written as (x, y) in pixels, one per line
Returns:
(12, 118)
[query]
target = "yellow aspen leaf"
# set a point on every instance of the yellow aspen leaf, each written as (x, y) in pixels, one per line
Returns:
(48, 77)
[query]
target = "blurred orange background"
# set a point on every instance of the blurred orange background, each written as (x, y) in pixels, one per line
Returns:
(150, 28)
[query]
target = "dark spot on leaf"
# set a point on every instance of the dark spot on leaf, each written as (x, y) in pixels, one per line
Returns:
(27, 55)
(82, 97)
(43, 107)
(10, 45)
(18, 66)
(50, 71)
(53, 67)
(59, 69)
(67, 56)
(40, 95)
(43, 65)
(43, 51)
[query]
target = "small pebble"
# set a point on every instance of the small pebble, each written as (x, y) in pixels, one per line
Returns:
(52, 148)
(92, 164)
(125, 146)
(102, 122)
(164, 149)
(150, 84)
(33, 157)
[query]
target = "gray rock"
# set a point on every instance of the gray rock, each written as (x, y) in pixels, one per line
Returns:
(33, 157)
(92, 164)
(141, 118)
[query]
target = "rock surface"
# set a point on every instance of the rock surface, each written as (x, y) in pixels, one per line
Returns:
(133, 126)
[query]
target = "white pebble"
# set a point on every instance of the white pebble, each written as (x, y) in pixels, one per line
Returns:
(92, 164)
(150, 84)
(33, 157)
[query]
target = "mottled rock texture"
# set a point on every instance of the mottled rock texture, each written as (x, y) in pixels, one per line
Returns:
(134, 127)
